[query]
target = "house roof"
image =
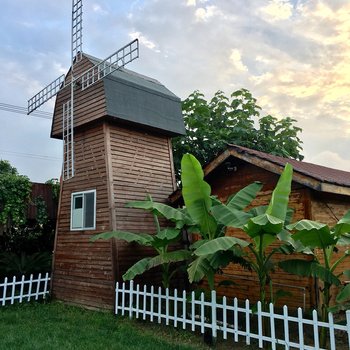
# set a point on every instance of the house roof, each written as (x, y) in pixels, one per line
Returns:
(317, 177)
(136, 98)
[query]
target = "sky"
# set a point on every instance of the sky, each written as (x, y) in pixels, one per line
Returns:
(293, 55)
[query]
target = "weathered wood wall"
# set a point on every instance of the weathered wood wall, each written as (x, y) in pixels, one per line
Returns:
(225, 183)
(89, 105)
(122, 165)
(329, 209)
(82, 271)
(140, 163)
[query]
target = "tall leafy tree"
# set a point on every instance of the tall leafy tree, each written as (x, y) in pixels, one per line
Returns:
(210, 125)
(14, 196)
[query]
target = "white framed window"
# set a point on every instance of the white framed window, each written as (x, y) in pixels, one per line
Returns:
(83, 210)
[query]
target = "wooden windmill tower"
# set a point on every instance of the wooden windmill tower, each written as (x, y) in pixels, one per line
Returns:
(116, 127)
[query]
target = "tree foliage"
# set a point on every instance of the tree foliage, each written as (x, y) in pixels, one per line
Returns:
(14, 195)
(236, 120)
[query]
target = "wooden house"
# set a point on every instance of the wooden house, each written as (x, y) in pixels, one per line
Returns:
(318, 193)
(122, 143)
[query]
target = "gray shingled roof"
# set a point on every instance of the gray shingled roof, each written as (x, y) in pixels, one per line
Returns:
(139, 99)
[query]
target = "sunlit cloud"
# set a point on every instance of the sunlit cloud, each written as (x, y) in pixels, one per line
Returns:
(277, 10)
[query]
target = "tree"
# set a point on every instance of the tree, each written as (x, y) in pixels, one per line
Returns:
(14, 196)
(211, 125)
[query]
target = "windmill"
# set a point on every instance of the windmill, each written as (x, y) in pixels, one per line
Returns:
(82, 81)
(116, 127)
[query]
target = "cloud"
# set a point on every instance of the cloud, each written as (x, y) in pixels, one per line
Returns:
(277, 10)
(331, 160)
(203, 14)
(144, 41)
(236, 60)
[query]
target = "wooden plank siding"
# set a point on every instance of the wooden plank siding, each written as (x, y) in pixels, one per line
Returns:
(82, 272)
(225, 183)
(122, 165)
(89, 105)
(141, 164)
(329, 209)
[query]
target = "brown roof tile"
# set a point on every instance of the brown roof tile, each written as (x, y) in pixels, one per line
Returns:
(318, 172)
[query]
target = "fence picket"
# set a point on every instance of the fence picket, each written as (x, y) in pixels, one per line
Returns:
(145, 303)
(301, 328)
(272, 326)
(202, 313)
(184, 309)
(260, 326)
(213, 314)
(15, 290)
(196, 316)
(286, 327)
(4, 292)
(30, 287)
(116, 298)
(175, 307)
(247, 322)
(315, 321)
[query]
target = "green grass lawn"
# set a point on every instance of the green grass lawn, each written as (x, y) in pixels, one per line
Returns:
(58, 326)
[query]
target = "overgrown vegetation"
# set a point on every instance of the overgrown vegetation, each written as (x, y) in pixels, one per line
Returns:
(25, 243)
(236, 119)
(208, 217)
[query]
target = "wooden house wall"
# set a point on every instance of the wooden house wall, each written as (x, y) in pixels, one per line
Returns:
(140, 164)
(89, 104)
(225, 183)
(82, 271)
(43, 191)
(329, 209)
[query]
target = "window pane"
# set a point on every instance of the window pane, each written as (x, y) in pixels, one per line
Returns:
(78, 202)
(77, 212)
(89, 210)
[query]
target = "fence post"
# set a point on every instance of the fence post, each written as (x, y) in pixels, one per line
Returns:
(21, 291)
(272, 326)
(38, 287)
(116, 298)
(301, 328)
(13, 290)
(213, 314)
(260, 325)
(131, 289)
(4, 292)
(348, 324)
(46, 283)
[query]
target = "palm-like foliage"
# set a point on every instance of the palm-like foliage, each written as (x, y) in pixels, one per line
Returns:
(214, 251)
(321, 241)
(160, 241)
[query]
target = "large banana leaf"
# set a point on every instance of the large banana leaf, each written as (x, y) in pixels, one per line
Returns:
(264, 240)
(343, 225)
(219, 244)
(140, 238)
(307, 268)
(262, 224)
(343, 295)
(198, 269)
(137, 269)
(312, 234)
(279, 201)
(169, 257)
(244, 197)
(196, 195)
(169, 234)
(176, 215)
(230, 216)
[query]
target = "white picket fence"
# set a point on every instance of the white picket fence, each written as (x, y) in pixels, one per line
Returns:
(12, 290)
(223, 318)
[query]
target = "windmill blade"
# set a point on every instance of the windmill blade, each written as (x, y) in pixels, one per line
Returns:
(116, 60)
(77, 30)
(45, 94)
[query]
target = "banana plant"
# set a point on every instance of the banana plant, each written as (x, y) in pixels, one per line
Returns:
(264, 225)
(160, 241)
(213, 251)
(322, 241)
